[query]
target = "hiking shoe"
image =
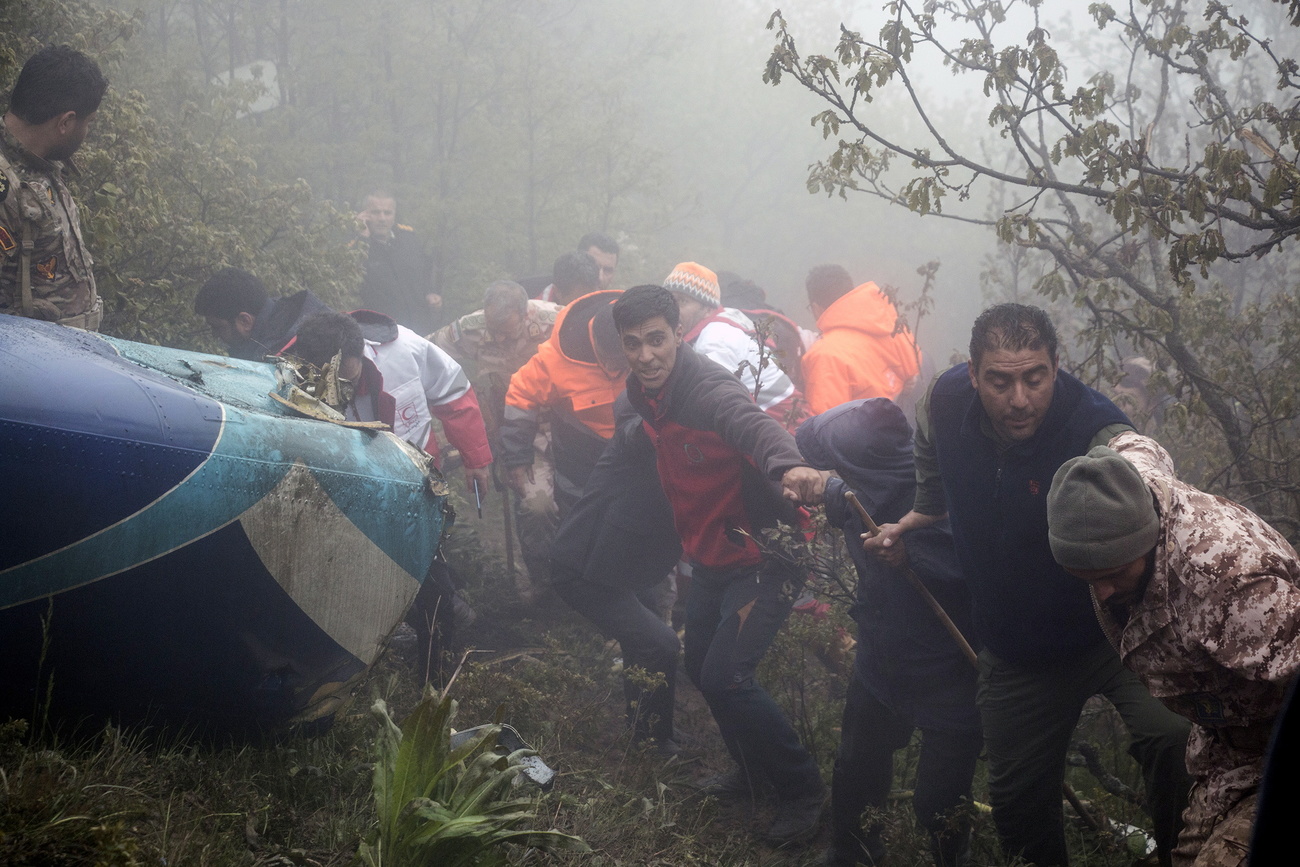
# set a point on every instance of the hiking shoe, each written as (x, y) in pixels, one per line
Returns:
(796, 819)
(870, 854)
(734, 785)
(664, 748)
(464, 614)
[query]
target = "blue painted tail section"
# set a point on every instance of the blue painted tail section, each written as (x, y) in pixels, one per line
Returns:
(146, 484)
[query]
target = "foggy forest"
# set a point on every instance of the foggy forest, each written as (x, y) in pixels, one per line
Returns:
(1132, 168)
(508, 131)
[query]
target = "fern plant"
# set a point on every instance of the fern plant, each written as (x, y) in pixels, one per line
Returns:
(452, 807)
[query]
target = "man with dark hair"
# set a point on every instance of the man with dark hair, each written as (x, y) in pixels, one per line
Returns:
(989, 436)
(326, 334)
(46, 271)
(861, 352)
(241, 314)
(419, 383)
(399, 274)
(739, 292)
(729, 471)
(573, 275)
(496, 341)
(55, 80)
(604, 250)
(826, 284)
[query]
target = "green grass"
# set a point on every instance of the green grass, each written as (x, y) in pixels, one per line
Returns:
(162, 798)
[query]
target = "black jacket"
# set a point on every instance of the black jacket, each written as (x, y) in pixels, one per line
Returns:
(620, 533)
(398, 278)
(277, 324)
(1028, 610)
(906, 657)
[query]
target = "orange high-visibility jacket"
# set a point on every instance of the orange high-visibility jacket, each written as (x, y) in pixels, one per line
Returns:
(566, 379)
(858, 354)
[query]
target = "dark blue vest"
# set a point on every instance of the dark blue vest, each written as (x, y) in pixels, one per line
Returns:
(1027, 609)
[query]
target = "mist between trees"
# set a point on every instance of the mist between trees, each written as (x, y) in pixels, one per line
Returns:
(506, 129)
(1139, 165)
(1143, 177)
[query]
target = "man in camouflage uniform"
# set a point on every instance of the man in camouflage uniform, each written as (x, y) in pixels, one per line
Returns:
(46, 272)
(498, 340)
(1200, 597)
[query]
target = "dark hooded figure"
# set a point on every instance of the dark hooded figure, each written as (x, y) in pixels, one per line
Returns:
(611, 550)
(909, 672)
(243, 316)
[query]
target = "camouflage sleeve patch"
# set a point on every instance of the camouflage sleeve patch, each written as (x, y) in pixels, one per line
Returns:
(7, 242)
(4, 187)
(461, 337)
(472, 323)
(541, 318)
(1206, 709)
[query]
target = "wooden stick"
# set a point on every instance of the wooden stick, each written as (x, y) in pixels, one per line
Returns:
(507, 515)
(874, 530)
(920, 587)
(1084, 813)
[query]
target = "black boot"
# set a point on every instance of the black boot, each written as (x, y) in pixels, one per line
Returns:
(650, 711)
(951, 847)
(433, 618)
(852, 793)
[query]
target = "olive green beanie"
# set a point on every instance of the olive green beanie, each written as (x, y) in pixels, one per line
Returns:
(1100, 514)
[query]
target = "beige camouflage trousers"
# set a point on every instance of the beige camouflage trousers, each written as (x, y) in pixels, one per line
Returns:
(1217, 841)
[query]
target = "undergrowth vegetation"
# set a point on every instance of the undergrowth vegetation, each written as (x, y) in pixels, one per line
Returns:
(165, 797)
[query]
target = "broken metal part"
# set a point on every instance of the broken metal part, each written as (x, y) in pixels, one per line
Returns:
(318, 393)
(532, 768)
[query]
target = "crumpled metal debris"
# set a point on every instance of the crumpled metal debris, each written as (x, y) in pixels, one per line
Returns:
(322, 394)
(315, 392)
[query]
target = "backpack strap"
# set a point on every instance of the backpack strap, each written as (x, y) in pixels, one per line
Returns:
(25, 247)
(11, 202)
